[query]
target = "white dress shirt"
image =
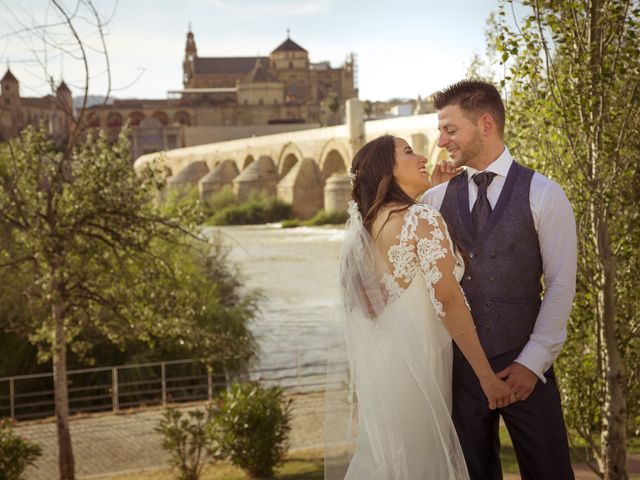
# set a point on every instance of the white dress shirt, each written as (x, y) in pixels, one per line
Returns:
(554, 221)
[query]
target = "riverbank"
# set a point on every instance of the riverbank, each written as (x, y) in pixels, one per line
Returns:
(126, 447)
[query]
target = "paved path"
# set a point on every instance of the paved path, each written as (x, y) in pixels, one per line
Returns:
(111, 443)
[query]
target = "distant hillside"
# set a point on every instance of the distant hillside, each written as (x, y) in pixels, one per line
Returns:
(91, 100)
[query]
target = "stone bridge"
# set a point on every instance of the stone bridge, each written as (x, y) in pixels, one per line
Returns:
(305, 168)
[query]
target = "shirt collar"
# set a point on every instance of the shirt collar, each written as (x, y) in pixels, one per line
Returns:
(500, 166)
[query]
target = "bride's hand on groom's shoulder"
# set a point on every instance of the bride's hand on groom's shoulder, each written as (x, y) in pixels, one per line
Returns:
(498, 393)
(444, 171)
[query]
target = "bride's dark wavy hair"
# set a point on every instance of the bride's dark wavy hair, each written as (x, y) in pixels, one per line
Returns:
(374, 185)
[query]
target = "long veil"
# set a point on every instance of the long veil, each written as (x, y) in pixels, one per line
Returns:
(388, 392)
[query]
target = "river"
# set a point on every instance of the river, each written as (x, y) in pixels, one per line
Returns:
(297, 271)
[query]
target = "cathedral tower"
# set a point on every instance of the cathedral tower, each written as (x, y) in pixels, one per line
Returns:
(190, 54)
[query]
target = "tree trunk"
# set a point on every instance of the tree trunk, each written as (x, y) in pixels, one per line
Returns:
(65, 451)
(614, 422)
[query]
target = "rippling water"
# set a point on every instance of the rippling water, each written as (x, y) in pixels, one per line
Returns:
(297, 270)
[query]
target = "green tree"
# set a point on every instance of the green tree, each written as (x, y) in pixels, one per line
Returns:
(368, 108)
(332, 102)
(85, 254)
(574, 113)
(483, 67)
(90, 258)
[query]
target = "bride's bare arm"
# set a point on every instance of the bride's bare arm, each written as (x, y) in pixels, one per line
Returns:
(437, 263)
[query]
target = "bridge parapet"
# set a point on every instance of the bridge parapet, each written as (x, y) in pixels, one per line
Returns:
(329, 148)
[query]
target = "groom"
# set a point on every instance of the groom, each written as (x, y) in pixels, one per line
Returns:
(516, 227)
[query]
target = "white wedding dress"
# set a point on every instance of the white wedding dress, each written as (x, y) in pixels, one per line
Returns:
(399, 352)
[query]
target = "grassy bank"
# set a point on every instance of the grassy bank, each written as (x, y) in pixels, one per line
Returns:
(320, 218)
(308, 465)
(222, 208)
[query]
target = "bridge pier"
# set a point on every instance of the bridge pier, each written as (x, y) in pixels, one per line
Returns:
(261, 175)
(337, 193)
(219, 177)
(302, 188)
(186, 180)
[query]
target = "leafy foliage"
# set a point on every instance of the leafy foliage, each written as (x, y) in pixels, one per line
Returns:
(88, 257)
(186, 439)
(259, 208)
(252, 428)
(321, 218)
(573, 111)
(16, 453)
(221, 199)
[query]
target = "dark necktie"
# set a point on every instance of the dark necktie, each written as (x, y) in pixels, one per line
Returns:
(482, 208)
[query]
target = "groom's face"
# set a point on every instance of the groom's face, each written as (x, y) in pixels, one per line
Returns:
(459, 135)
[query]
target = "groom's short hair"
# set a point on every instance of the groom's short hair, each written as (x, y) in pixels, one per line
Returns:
(474, 97)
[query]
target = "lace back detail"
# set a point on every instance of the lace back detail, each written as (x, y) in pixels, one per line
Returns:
(417, 253)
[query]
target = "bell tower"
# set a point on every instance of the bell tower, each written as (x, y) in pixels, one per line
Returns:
(10, 90)
(10, 98)
(190, 54)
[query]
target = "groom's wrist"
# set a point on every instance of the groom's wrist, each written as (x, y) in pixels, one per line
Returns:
(535, 358)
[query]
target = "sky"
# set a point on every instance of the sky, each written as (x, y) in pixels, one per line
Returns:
(404, 48)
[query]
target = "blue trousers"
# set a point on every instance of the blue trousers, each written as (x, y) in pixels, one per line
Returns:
(536, 426)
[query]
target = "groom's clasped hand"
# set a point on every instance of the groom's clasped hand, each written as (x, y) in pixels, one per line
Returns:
(520, 379)
(499, 393)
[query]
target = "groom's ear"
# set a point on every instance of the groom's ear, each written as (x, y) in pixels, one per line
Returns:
(487, 124)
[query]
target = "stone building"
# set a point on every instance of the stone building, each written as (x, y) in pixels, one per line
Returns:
(233, 97)
(16, 112)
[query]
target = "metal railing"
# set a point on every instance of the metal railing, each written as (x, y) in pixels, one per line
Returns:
(25, 397)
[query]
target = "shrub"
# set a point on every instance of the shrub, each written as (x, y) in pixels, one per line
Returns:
(320, 218)
(180, 202)
(16, 453)
(185, 438)
(252, 428)
(259, 208)
(328, 218)
(221, 199)
(291, 223)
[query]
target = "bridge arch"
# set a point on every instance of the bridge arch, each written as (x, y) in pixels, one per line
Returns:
(334, 158)
(136, 118)
(162, 116)
(248, 160)
(182, 118)
(289, 156)
(115, 120)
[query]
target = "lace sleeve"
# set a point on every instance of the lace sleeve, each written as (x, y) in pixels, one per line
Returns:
(436, 256)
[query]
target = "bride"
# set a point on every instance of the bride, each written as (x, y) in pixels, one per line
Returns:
(399, 278)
